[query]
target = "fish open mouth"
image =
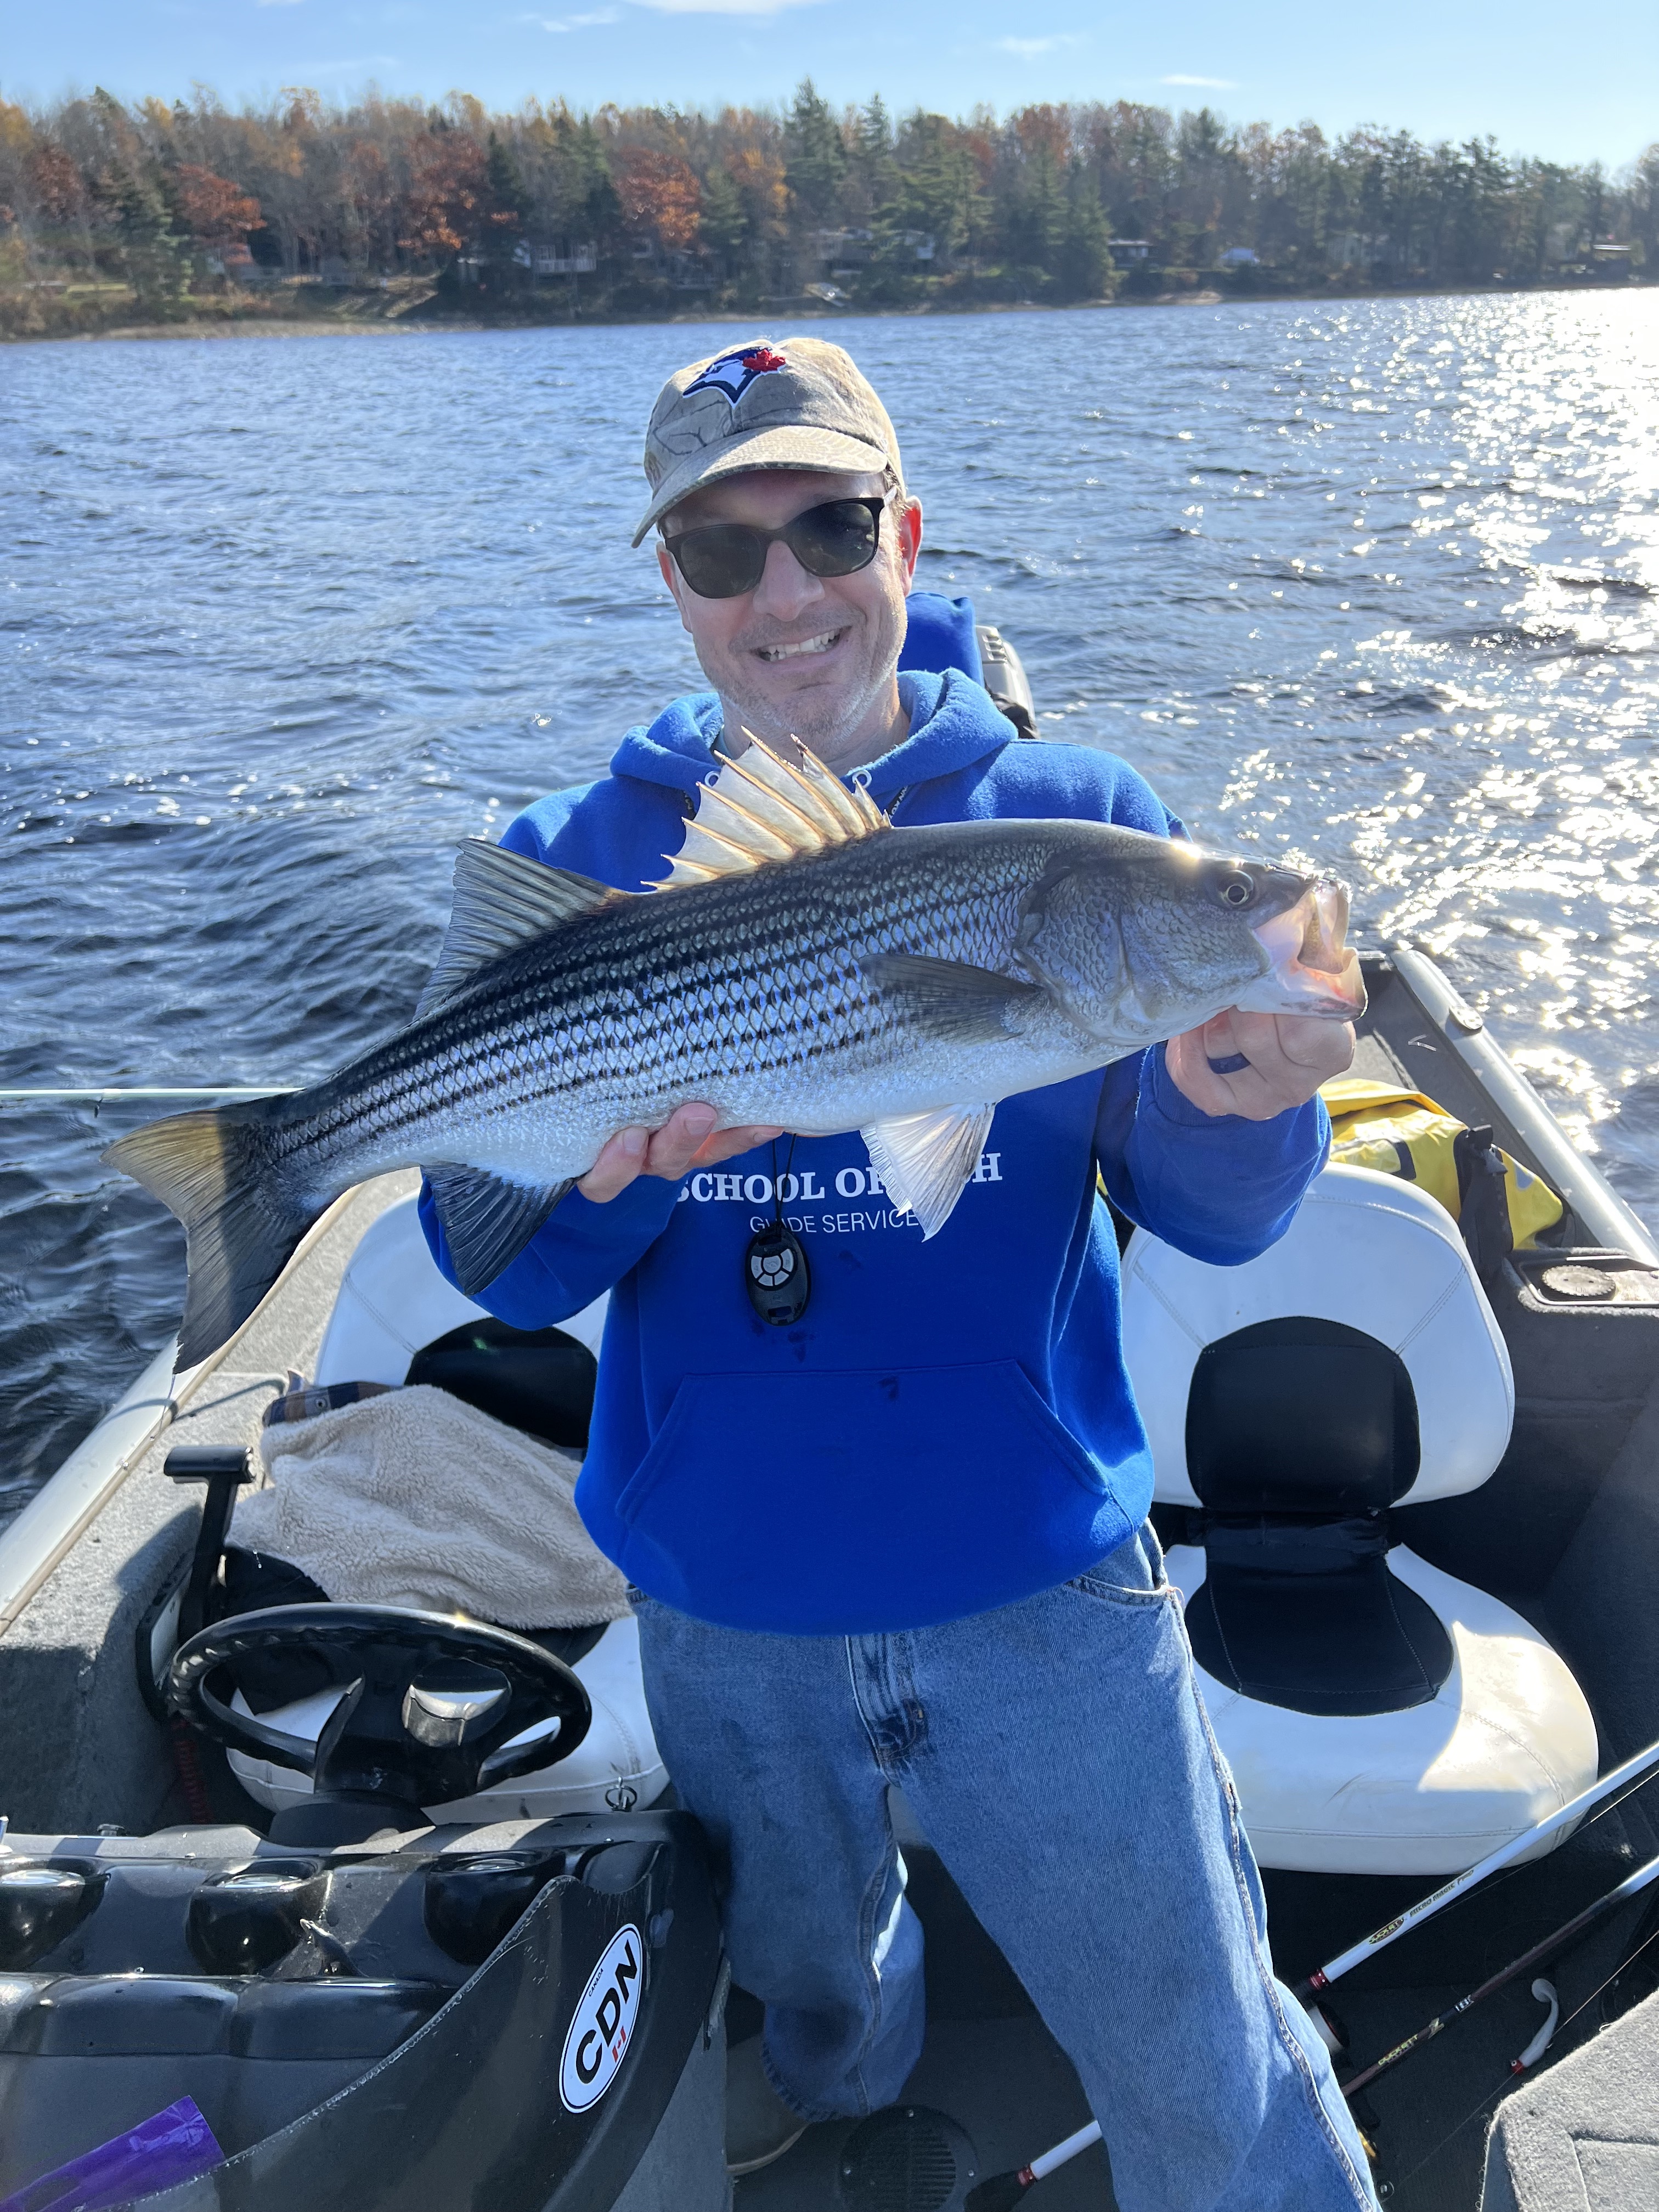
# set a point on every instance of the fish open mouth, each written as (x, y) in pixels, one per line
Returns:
(1312, 968)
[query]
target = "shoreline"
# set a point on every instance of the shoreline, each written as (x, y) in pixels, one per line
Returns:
(347, 321)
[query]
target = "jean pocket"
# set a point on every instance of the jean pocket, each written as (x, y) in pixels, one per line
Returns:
(1132, 1576)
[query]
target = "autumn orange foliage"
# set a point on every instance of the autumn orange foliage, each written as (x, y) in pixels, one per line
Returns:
(218, 212)
(448, 179)
(660, 197)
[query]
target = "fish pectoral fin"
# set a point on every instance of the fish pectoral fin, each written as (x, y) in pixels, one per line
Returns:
(488, 1221)
(950, 1000)
(924, 1160)
(504, 900)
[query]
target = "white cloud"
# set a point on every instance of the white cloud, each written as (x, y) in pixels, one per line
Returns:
(1209, 83)
(587, 23)
(1028, 47)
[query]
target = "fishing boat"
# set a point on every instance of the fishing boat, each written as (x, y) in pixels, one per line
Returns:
(403, 1904)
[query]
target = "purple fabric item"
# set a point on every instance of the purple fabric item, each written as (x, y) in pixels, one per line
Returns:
(175, 2145)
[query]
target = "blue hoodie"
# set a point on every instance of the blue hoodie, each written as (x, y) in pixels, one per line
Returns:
(950, 1426)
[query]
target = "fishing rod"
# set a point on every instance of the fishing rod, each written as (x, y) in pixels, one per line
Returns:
(1631, 1774)
(71, 1098)
(1553, 2025)
(999, 2191)
(1630, 1886)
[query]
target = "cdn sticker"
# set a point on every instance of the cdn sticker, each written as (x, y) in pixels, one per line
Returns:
(600, 2033)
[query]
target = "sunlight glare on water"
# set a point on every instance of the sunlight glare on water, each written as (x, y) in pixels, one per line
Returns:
(1372, 585)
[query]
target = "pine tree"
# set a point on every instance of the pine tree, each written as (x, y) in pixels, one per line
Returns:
(1086, 269)
(150, 252)
(817, 157)
(723, 226)
(871, 173)
(508, 191)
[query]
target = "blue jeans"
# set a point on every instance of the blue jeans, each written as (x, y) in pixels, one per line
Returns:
(1058, 1759)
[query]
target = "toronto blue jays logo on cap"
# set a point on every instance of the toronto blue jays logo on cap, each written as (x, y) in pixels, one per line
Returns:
(733, 372)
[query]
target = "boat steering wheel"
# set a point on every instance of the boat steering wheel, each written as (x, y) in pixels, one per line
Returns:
(428, 1708)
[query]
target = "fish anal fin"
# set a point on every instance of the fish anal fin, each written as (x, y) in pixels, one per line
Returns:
(504, 900)
(487, 1221)
(924, 1160)
(950, 1000)
(763, 808)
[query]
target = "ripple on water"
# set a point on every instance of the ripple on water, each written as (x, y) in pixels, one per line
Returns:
(1375, 584)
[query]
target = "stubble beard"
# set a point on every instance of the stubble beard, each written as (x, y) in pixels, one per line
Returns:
(826, 722)
(826, 725)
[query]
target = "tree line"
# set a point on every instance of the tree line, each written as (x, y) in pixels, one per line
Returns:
(657, 209)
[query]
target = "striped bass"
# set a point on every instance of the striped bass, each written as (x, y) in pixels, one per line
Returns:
(804, 964)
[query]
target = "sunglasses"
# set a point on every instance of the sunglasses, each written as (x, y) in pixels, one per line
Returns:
(724, 560)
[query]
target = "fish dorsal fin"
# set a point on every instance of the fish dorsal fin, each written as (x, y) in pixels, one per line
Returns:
(503, 900)
(925, 1159)
(763, 808)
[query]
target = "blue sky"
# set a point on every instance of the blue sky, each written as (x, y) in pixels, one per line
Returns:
(1543, 79)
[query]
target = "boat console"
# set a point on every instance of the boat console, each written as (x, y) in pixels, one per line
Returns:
(371, 2022)
(365, 2007)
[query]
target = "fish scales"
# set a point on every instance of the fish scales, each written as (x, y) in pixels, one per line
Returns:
(660, 999)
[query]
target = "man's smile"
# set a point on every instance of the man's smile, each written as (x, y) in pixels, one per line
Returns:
(821, 643)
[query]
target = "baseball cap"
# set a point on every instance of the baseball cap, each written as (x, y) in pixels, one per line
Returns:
(797, 403)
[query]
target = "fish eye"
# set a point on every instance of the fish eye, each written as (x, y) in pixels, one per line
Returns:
(1234, 889)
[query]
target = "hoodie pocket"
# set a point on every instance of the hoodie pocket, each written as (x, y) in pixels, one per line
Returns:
(822, 1503)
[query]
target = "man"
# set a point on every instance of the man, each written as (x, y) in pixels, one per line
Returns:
(900, 1542)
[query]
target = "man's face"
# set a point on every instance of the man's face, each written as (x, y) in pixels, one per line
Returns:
(806, 656)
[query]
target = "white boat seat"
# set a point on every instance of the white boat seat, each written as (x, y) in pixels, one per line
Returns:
(617, 1766)
(1379, 1715)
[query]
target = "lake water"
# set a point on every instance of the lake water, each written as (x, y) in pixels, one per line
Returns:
(1375, 585)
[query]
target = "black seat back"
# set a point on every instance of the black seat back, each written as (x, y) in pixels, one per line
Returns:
(1301, 1433)
(539, 1380)
(1298, 1415)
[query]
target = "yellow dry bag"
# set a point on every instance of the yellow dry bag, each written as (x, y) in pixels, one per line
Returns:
(1401, 1133)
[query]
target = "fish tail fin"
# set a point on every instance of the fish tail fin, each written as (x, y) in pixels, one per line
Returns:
(221, 1174)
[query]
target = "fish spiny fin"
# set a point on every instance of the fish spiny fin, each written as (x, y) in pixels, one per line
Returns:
(924, 1160)
(503, 900)
(799, 821)
(488, 1221)
(762, 808)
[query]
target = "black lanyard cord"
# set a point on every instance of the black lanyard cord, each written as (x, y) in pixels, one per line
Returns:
(778, 1181)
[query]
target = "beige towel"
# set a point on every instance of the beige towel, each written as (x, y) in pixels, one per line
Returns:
(416, 1500)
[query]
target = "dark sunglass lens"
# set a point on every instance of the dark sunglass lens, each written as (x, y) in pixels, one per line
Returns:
(837, 538)
(721, 561)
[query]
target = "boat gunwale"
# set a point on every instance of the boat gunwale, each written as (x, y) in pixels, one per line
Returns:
(1574, 1175)
(35, 1544)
